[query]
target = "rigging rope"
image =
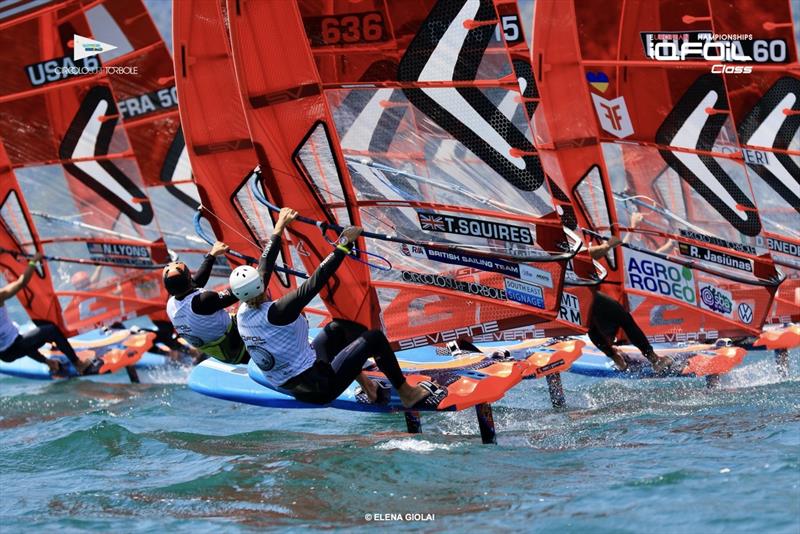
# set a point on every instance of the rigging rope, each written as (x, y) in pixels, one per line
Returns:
(198, 228)
(83, 261)
(324, 226)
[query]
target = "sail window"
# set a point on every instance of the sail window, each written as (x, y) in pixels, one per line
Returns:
(315, 160)
(256, 217)
(13, 218)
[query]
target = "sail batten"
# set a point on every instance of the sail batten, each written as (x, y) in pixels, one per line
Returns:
(674, 174)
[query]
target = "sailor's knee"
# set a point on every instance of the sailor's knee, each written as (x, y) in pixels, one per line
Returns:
(343, 326)
(374, 337)
(49, 330)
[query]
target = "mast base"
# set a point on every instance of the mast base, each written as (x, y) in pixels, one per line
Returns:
(486, 424)
(133, 374)
(556, 390)
(413, 422)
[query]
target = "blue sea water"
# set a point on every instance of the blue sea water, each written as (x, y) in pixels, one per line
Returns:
(626, 456)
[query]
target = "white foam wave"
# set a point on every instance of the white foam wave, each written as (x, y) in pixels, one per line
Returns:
(166, 375)
(412, 445)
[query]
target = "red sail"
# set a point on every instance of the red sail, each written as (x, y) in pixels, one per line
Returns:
(646, 141)
(351, 127)
(216, 133)
(94, 146)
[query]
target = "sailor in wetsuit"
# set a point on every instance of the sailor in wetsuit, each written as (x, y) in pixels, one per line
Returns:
(199, 315)
(608, 316)
(14, 345)
(276, 333)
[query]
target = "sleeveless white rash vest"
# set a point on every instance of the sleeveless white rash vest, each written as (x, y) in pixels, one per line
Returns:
(281, 352)
(8, 332)
(196, 329)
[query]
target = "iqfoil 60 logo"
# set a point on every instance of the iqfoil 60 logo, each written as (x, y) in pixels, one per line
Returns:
(719, 49)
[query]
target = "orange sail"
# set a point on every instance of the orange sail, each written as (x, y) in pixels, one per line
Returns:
(459, 210)
(649, 152)
(94, 146)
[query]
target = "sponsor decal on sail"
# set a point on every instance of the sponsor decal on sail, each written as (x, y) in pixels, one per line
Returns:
(740, 247)
(445, 282)
(657, 315)
(659, 277)
(685, 337)
(83, 47)
(517, 270)
(715, 299)
(451, 224)
(613, 116)
(473, 331)
(745, 312)
(524, 293)
(778, 245)
(720, 258)
(137, 255)
(570, 309)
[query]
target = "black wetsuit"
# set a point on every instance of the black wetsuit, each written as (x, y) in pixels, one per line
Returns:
(210, 302)
(608, 316)
(28, 344)
(341, 348)
(165, 334)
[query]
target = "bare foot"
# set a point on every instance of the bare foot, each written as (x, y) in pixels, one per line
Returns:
(619, 359)
(371, 389)
(82, 366)
(54, 366)
(410, 395)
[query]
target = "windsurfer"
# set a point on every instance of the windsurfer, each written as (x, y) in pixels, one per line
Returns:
(643, 239)
(83, 281)
(608, 316)
(199, 315)
(14, 345)
(276, 333)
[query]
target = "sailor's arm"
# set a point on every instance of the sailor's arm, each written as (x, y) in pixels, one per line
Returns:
(289, 307)
(636, 219)
(667, 247)
(96, 275)
(210, 302)
(37, 356)
(14, 287)
(598, 251)
(266, 263)
(203, 273)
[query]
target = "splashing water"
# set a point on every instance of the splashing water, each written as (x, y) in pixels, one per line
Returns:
(122, 457)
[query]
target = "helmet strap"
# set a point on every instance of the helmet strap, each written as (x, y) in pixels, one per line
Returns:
(181, 296)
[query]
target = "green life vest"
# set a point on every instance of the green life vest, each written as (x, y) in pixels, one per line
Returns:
(228, 348)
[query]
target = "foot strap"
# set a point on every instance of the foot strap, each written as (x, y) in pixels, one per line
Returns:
(437, 395)
(384, 394)
(94, 367)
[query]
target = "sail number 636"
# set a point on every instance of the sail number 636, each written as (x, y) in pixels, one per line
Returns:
(355, 28)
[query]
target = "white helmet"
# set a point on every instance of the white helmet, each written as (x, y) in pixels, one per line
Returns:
(246, 283)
